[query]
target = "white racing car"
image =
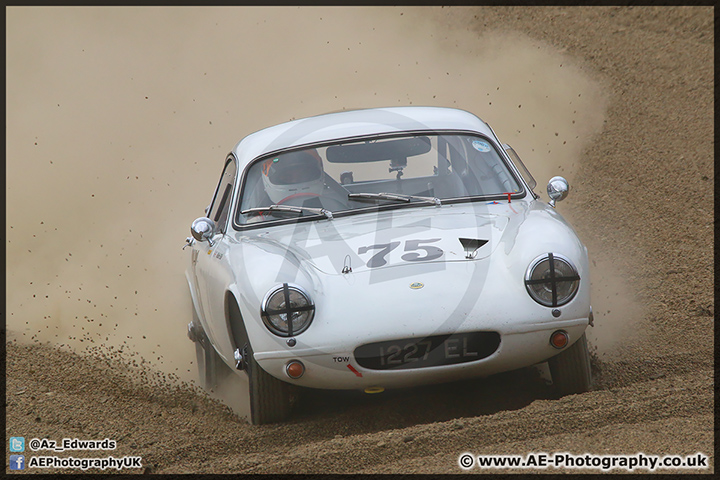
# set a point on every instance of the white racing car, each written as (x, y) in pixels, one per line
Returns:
(383, 248)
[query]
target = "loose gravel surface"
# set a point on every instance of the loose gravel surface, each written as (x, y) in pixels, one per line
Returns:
(641, 200)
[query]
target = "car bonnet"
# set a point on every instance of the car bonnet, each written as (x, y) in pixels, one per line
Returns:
(395, 238)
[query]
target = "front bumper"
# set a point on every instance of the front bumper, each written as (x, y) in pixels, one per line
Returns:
(336, 368)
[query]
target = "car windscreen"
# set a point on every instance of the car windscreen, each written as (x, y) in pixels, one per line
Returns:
(352, 176)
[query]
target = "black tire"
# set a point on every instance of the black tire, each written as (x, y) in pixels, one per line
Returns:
(570, 369)
(271, 400)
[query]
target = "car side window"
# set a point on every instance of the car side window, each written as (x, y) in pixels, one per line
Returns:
(220, 206)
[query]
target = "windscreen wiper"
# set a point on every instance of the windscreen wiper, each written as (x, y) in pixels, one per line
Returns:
(289, 208)
(396, 196)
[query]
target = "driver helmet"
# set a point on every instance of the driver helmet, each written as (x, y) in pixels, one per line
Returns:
(291, 174)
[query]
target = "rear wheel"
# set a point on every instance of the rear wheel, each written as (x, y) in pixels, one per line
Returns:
(570, 369)
(209, 363)
(211, 369)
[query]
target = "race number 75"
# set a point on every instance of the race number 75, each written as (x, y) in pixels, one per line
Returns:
(417, 252)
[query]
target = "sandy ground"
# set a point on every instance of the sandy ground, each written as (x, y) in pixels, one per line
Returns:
(118, 120)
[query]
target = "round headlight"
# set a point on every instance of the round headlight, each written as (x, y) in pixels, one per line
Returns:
(287, 310)
(552, 280)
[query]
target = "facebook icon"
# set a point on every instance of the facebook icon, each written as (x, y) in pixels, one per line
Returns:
(17, 462)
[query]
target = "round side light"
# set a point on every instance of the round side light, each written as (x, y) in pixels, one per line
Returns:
(295, 369)
(559, 339)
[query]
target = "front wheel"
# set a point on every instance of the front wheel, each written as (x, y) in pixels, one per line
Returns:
(271, 400)
(570, 369)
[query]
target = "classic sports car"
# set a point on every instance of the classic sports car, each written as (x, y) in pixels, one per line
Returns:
(383, 248)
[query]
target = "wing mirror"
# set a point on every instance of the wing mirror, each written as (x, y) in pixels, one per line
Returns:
(557, 190)
(203, 229)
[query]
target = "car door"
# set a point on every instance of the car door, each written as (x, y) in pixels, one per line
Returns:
(212, 270)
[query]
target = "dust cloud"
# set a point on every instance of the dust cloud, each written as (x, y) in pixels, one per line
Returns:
(119, 119)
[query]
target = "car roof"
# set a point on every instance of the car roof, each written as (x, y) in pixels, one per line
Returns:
(354, 123)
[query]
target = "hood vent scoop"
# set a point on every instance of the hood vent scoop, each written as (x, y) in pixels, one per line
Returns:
(471, 246)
